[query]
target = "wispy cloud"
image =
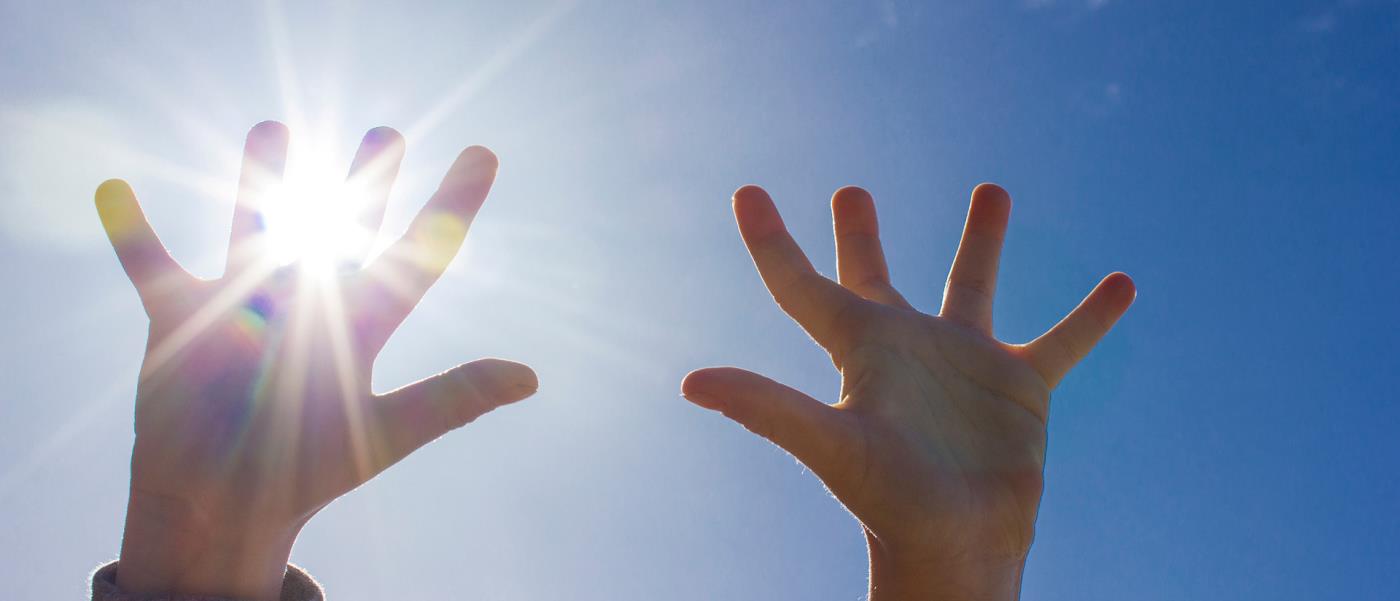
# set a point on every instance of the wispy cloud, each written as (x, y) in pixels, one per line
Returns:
(886, 20)
(64, 150)
(1091, 5)
(1324, 22)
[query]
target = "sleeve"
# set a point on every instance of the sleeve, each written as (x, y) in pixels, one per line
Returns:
(296, 586)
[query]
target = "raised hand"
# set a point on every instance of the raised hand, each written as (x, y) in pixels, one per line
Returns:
(254, 407)
(937, 443)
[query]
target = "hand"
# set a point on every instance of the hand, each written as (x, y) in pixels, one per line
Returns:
(254, 407)
(938, 442)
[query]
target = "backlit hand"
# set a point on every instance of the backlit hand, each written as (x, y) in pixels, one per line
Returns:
(254, 407)
(937, 443)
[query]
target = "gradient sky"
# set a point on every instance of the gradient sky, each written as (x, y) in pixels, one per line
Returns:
(1233, 438)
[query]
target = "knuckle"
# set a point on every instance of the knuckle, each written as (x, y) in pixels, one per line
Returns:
(458, 403)
(980, 287)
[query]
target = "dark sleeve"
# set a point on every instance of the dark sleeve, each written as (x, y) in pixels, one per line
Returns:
(297, 586)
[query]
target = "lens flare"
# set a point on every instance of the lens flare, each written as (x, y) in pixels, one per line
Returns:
(311, 218)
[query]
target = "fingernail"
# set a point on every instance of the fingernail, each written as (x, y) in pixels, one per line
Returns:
(705, 401)
(522, 391)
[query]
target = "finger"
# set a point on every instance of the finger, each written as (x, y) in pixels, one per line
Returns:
(818, 435)
(415, 261)
(1055, 352)
(264, 158)
(860, 259)
(414, 415)
(972, 282)
(372, 175)
(146, 262)
(813, 301)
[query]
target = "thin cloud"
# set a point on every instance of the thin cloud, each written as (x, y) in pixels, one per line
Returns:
(1325, 22)
(63, 150)
(887, 20)
(1090, 5)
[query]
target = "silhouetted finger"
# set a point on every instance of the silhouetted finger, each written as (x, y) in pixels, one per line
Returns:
(264, 158)
(372, 175)
(972, 282)
(147, 263)
(415, 261)
(415, 415)
(813, 301)
(1055, 352)
(818, 435)
(860, 258)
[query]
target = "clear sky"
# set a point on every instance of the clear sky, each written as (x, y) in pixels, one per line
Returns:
(1233, 438)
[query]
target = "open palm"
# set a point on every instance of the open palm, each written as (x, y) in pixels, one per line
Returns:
(937, 444)
(254, 406)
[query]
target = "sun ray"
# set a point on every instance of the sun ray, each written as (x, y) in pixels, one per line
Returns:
(218, 144)
(75, 424)
(278, 43)
(347, 377)
(229, 296)
(524, 40)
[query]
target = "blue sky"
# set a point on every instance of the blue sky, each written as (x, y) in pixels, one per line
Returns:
(1233, 437)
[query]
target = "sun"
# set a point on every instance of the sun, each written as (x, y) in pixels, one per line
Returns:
(311, 217)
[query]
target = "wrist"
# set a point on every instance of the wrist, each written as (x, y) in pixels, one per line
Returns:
(171, 547)
(901, 577)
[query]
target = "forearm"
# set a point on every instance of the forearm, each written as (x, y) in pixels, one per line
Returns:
(168, 548)
(894, 579)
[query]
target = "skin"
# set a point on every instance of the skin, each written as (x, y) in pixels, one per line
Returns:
(254, 408)
(937, 444)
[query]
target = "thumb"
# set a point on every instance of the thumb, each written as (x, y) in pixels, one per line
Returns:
(415, 415)
(818, 435)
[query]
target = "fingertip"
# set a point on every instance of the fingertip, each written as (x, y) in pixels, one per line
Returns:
(992, 195)
(698, 387)
(517, 372)
(755, 213)
(1122, 286)
(709, 380)
(715, 380)
(112, 189)
(470, 177)
(990, 190)
(379, 142)
(696, 380)
(117, 209)
(750, 192)
(990, 206)
(269, 130)
(265, 151)
(853, 209)
(480, 157)
(848, 194)
(851, 198)
(383, 134)
(508, 381)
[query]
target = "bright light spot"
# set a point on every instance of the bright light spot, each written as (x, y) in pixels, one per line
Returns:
(311, 217)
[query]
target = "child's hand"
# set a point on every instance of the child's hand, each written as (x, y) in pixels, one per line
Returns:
(938, 442)
(254, 407)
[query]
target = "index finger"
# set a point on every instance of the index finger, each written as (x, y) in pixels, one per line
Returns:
(813, 301)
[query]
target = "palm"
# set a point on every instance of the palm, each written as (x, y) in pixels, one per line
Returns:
(937, 443)
(952, 461)
(254, 402)
(267, 413)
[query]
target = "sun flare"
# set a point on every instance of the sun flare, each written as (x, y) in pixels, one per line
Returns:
(310, 217)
